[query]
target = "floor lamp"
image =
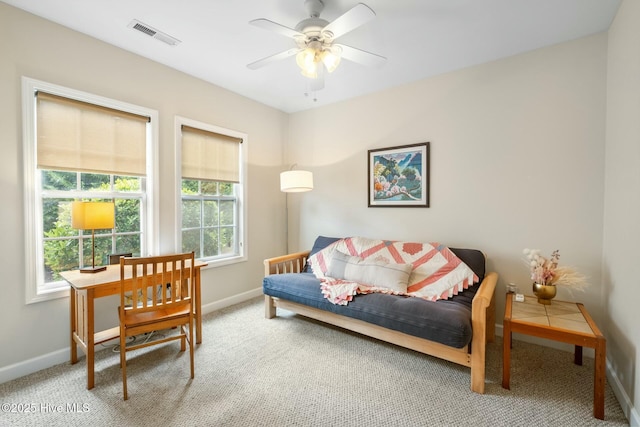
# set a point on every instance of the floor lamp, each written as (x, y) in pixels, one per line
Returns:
(92, 216)
(294, 181)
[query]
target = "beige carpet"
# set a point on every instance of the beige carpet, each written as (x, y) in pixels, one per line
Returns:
(291, 371)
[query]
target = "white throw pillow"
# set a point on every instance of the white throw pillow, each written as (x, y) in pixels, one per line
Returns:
(379, 274)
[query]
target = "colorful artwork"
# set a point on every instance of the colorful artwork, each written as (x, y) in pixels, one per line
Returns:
(399, 176)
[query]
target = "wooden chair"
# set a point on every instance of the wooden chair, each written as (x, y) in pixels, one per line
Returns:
(156, 293)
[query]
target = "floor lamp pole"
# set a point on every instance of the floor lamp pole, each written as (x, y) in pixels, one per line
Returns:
(286, 221)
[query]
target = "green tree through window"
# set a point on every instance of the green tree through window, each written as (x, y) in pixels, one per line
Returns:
(66, 248)
(209, 218)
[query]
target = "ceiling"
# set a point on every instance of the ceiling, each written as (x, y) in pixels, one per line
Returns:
(419, 38)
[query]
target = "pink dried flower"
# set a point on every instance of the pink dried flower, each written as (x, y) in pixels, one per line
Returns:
(542, 269)
(545, 271)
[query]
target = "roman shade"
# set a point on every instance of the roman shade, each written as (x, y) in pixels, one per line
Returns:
(78, 136)
(210, 156)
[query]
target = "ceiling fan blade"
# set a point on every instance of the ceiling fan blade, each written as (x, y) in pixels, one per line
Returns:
(360, 56)
(353, 18)
(269, 59)
(278, 28)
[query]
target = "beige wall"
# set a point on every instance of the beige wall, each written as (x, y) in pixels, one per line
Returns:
(517, 160)
(33, 47)
(622, 202)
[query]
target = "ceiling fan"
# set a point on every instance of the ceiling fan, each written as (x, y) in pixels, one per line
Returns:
(315, 40)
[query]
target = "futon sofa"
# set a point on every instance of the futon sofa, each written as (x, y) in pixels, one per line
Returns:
(454, 326)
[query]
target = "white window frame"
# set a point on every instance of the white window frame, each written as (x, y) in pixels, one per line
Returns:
(35, 291)
(242, 208)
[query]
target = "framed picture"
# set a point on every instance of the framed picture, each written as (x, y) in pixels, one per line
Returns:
(399, 176)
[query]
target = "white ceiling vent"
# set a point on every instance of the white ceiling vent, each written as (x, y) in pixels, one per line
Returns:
(152, 32)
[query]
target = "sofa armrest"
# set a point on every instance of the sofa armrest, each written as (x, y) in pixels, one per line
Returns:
(290, 263)
(483, 323)
(483, 307)
(485, 294)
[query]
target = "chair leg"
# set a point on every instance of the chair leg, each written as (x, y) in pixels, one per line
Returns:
(123, 362)
(191, 343)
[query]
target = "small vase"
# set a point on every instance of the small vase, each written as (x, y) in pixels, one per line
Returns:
(545, 293)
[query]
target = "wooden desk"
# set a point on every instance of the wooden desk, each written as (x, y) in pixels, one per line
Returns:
(85, 288)
(567, 322)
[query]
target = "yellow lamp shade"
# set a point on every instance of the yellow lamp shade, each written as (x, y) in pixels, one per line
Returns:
(92, 215)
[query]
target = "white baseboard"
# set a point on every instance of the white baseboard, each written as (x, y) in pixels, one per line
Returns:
(26, 367)
(634, 418)
(228, 302)
(627, 405)
(20, 369)
(625, 402)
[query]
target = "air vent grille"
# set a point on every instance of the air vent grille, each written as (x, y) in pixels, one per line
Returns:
(148, 31)
(152, 32)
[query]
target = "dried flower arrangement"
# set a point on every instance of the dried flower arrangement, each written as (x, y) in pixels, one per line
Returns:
(546, 271)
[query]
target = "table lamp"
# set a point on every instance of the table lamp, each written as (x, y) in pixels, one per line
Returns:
(92, 216)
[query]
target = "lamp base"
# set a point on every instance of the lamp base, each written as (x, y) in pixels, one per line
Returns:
(93, 269)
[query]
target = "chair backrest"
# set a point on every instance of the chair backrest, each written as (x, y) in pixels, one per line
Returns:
(164, 282)
(115, 258)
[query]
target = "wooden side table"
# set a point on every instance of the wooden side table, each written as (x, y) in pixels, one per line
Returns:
(562, 321)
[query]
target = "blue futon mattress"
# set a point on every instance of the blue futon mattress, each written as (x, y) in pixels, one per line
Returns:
(444, 321)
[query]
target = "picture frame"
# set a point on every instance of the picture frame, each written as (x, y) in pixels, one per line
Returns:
(399, 176)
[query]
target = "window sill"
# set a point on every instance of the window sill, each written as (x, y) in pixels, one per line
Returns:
(213, 262)
(48, 293)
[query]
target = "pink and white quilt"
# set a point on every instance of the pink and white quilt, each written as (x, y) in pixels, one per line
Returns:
(436, 272)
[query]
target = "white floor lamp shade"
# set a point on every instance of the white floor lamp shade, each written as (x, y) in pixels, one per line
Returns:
(296, 181)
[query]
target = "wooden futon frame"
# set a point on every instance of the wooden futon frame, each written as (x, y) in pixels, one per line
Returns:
(472, 356)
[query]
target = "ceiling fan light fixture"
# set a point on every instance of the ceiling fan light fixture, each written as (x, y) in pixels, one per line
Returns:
(309, 74)
(330, 59)
(308, 62)
(314, 38)
(312, 74)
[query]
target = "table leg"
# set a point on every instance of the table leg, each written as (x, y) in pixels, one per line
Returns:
(577, 355)
(198, 308)
(73, 325)
(599, 378)
(90, 335)
(506, 354)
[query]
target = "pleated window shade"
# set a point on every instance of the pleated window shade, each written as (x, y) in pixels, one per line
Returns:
(210, 156)
(79, 136)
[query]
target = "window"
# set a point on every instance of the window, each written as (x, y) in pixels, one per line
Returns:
(65, 248)
(212, 185)
(79, 146)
